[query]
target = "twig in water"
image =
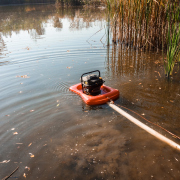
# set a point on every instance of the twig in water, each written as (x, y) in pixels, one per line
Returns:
(95, 33)
(7, 177)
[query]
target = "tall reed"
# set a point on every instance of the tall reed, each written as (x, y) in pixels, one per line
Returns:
(148, 25)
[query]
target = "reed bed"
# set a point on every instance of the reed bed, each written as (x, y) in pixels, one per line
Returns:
(147, 25)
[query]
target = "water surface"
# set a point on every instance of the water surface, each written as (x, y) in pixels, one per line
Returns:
(48, 131)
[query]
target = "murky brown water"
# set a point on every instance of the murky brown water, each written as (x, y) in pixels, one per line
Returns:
(48, 131)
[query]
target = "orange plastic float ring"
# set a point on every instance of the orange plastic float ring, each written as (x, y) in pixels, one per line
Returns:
(106, 94)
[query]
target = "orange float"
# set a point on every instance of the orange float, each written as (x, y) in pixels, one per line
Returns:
(106, 94)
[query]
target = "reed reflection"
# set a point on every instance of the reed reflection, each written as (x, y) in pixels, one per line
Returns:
(123, 61)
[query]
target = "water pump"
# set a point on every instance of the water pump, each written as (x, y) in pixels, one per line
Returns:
(92, 83)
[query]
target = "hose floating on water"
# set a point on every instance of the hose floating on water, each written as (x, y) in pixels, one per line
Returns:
(175, 136)
(143, 126)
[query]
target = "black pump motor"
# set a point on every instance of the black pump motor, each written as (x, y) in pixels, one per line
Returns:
(91, 83)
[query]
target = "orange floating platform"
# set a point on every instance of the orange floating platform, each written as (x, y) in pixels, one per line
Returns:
(106, 93)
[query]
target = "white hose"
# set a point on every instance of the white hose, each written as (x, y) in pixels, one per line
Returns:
(146, 128)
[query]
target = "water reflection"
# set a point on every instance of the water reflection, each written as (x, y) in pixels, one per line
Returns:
(27, 18)
(33, 17)
(69, 140)
(85, 18)
(141, 80)
(122, 61)
(57, 23)
(2, 45)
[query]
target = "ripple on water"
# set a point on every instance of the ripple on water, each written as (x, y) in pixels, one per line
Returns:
(62, 87)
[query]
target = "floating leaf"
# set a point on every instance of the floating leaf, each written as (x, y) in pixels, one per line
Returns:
(5, 161)
(57, 105)
(24, 175)
(69, 67)
(30, 144)
(176, 159)
(31, 155)
(23, 76)
(28, 168)
(27, 48)
(15, 133)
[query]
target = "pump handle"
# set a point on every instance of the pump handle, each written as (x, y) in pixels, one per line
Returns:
(90, 73)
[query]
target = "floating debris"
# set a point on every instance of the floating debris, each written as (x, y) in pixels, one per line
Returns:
(5, 161)
(31, 155)
(28, 168)
(23, 76)
(24, 175)
(29, 144)
(69, 67)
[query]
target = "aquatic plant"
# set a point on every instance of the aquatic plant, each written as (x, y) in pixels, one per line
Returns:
(148, 25)
(173, 41)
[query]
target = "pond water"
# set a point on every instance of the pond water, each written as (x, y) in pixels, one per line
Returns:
(49, 132)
